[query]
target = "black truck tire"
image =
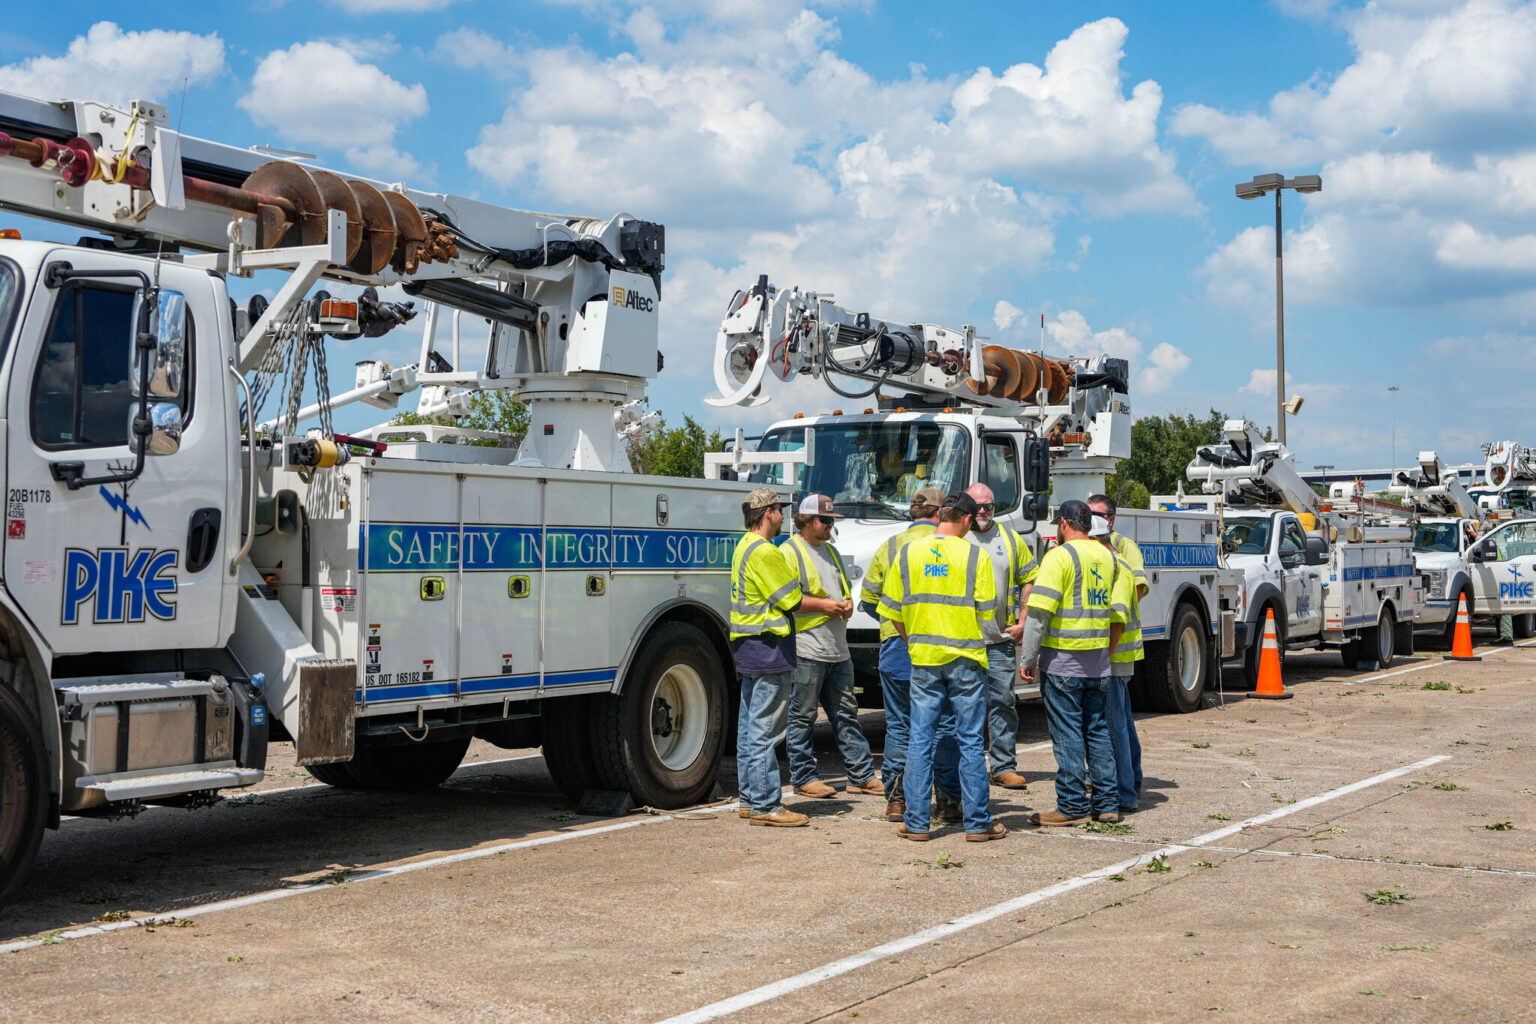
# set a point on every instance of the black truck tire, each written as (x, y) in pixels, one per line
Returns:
(24, 796)
(1173, 675)
(663, 736)
(565, 725)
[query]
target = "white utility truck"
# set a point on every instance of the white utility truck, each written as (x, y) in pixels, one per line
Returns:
(1331, 578)
(946, 411)
(182, 586)
(1508, 487)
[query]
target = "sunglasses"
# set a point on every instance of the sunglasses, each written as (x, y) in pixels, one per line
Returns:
(826, 520)
(986, 506)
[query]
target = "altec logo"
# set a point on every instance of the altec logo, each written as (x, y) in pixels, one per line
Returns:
(121, 587)
(631, 299)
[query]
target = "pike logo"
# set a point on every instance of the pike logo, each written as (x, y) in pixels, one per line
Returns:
(628, 298)
(120, 586)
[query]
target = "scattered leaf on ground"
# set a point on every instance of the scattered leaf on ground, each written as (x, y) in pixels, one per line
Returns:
(1200, 746)
(1219, 816)
(1435, 686)
(1159, 865)
(1113, 828)
(1500, 826)
(1448, 787)
(1420, 949)
(1387, 897)
(113, 915)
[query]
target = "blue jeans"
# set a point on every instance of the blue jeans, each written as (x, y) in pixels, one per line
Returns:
(763, 699)
(829, 683)
(895, 687)
(1075, 712)
(1002, 708)
(959, 685)
(1122, 733)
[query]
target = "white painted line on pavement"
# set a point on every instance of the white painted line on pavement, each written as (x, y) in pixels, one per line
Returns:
(375, 874)
(1491, 649)
(785, 986)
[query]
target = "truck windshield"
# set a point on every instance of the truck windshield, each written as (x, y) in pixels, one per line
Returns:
(1436, 537)
(1250, 532)
(873, 469)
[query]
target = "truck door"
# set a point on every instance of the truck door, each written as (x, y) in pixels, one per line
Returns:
(1506, 585)
(1000, 471)
(138, 564)
(1302, 583)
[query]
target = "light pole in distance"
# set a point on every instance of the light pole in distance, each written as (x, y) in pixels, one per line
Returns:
(1278, 183)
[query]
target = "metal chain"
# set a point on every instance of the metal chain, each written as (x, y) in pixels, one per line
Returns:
(292, 349)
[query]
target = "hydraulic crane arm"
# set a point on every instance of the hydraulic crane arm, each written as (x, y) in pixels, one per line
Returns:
(1250, 470)
(1433, 489)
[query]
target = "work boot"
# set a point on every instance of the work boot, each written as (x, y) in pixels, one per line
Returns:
(781, 818)
(1055, 818)
(743, 811)
(916, 837)
(995, 831)
(896, 810)
(949, 814)
(1010, 780)
(1109, 816)
(870, 787)
(816, 790)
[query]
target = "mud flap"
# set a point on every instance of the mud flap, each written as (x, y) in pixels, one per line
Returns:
(327, 711)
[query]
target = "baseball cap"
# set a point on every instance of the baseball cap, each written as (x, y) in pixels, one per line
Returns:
(931, 496)
(1100, 527)
(961, 502)
(764, 497)
(817, 505)
(1076, 512)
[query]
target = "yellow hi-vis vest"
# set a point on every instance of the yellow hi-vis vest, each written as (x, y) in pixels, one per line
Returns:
(762, 586)
(1126, 600)
(1021, 570)
(939, 591)
(810, 580)
(880, 564)
(1076, 585)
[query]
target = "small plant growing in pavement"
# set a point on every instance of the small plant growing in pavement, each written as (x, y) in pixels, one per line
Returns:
(1159, 865)
(1219, 816)
(1500, 826)
(1388, 897)
(1113, 828)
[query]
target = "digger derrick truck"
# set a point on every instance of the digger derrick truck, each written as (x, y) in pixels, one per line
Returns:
(946, 410)
(1331, 578)
(182, 586)
(1508, 487)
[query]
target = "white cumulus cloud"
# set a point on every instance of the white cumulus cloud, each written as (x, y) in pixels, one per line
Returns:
(319, 94)
(110, 65)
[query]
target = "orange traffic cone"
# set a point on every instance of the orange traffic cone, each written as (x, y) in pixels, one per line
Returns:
(1269, 662)
(1461, 643)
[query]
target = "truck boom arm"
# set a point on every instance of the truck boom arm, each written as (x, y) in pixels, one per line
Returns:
(1249, 470)
(1434, 489)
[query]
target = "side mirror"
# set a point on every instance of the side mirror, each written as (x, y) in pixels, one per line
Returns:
(168, 359)
(1034, 508)
(1037, 466)
(1483, 552)
(1291, 559)
(164, 428)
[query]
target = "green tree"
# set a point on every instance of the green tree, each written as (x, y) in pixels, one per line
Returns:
(488, 410)
(675, 451)
(1161, 449)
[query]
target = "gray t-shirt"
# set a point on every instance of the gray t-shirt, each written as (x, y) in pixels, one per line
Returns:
(995, 545)
(828, 641)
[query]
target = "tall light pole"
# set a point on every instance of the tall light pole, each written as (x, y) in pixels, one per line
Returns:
(1278, 183)
(1394, 389)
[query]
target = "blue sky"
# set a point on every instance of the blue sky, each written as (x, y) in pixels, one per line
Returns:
(979, 163)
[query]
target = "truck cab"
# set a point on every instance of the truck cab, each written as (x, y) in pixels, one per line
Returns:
(1502, 566)
(1440, 548)
(1283, 568)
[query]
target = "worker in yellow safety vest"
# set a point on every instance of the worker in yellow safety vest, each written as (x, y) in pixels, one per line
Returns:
(937, 593)
(1013, 568)
(1071, 625)
(765, 593)
(895, 667)
(824, 665)
(1122, 668)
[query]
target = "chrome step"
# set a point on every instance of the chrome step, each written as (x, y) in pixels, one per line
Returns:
(146, 786)
(136, 689)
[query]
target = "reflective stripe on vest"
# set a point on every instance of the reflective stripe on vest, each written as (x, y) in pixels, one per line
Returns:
(1130, 647)
(810, 581)
(753, 618)
(1075, 626)
(945, 625)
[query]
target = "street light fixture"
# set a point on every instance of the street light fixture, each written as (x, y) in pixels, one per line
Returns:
(1278, 183)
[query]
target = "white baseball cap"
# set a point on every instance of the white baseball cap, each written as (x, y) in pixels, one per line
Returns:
(818, 505)
(1100, 527)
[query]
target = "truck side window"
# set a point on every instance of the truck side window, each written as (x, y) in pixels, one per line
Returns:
(1293, 541)
(81, 393)
(1516, 540)
(1000, 471)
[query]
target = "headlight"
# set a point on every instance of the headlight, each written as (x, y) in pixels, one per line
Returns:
(1434, 583)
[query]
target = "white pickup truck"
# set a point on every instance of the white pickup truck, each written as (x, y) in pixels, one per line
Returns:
(1502, 567)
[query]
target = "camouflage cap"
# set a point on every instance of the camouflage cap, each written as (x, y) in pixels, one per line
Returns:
(764, 497)
(932, 497)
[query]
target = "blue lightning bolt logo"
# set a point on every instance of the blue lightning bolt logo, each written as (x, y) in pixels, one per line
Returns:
(122, 506)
